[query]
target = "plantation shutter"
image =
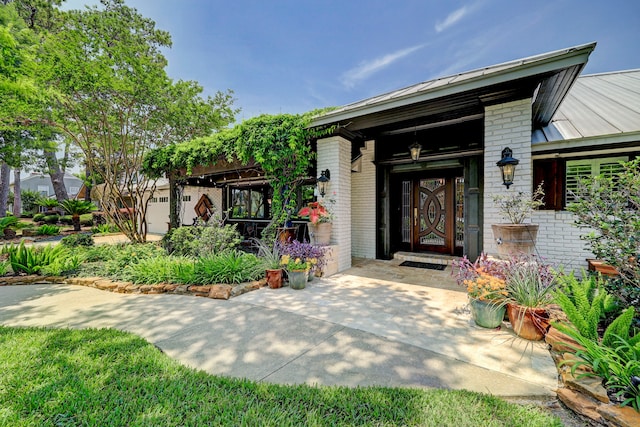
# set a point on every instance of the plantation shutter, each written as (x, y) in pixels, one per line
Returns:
(579, 169)
(550, 172)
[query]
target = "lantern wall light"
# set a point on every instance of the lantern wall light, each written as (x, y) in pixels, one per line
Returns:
(414, 149)
(323, 182)
(507, 166)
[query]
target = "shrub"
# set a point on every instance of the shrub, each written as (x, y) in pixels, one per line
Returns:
(161, 269)
(228, 267)
(51, 219)
(30, 260)
(30, 200)
(4, 267)
(104, 229)
(63, 266)
(86, 220)
(608, 207)
(74, 240)
(47, 230)
(38, 217)
(66, 219)
(120, 256)
(202, 240)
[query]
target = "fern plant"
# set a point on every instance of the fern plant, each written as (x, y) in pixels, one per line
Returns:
(621, 328)
(584, 301)
(48, 230)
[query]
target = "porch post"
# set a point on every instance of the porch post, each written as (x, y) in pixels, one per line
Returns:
(505, 125)
(334, 153)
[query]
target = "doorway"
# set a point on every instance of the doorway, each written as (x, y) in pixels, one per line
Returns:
(429, 213)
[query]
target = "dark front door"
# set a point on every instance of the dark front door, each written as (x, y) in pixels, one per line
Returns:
(432, 214)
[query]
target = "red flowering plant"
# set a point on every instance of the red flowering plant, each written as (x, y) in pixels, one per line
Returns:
(317, 213)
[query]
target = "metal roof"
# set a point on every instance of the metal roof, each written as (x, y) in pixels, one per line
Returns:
(556, 70)
(596, 105)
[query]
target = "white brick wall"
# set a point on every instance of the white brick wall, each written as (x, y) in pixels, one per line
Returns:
(559, 240)
(363, 205)
(506, 125)
(334, 153)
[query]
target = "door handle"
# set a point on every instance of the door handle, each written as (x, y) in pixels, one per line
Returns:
(415, 217)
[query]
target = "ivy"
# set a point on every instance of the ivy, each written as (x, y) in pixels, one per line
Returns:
(279, 144)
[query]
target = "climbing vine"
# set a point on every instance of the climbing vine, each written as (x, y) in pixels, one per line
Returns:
(279, 144)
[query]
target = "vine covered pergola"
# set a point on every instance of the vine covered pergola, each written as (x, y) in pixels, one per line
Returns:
(280, 145)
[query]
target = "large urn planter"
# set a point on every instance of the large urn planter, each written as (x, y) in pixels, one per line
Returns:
(297, 279)
(488, 314)
(515, 239)
(320, 233)
(528, 322)
(274, 278)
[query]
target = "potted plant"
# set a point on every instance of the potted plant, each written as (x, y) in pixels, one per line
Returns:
(516, 236)
(485, 282)
(529, 285)
(315, 255)
(320, 218)
(297, 271)
(270, 256)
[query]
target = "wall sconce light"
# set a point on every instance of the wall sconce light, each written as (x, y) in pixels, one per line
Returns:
(414, 149)
(323, 182)
(507, 166)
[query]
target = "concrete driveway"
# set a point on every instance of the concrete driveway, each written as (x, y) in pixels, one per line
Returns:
(376, 324)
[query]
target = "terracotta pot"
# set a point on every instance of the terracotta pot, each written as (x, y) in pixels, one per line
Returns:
(320, 233)
(274, 278)
(528, 322)
(515, 239)
(486, 313)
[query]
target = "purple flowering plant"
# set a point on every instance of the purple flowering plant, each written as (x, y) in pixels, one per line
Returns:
(306, 252)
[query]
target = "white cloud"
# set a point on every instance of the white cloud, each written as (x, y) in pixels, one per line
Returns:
(453, 18)
(367, 68)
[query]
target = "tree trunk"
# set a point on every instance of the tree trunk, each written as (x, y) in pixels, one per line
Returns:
(4, 188)
(75, 219)
(174, 203)
(17, 194)
(88, 180)
(57, 176)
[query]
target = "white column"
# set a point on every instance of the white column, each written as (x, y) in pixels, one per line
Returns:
(363, 205)
(334, 153)
(505, 125)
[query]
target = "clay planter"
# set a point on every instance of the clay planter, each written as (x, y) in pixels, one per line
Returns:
(527, 322)
(515, 239)
(320, 233)
(486, 313)
(274, 278)
(297, 279)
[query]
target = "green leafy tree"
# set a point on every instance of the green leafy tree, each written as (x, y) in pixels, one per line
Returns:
(115, 102)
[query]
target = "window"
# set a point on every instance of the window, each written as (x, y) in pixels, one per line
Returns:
(186, 198)
(43, 190)
(578, 169)
(163, 199)
(249, 202)
(74, 190)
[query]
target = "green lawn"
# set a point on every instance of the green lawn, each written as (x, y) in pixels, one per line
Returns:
(111, 378)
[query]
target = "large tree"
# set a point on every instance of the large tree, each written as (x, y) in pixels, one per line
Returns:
(116, 102)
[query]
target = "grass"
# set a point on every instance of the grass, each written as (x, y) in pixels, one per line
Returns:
(106, 377)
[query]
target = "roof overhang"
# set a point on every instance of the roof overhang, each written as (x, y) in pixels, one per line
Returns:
(545, 78)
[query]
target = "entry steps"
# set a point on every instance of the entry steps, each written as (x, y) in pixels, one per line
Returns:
(424, 257)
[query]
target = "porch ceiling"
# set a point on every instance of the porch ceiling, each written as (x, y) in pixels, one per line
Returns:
(546, 78)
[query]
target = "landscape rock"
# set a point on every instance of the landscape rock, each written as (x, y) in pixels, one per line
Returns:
(560, 341)
(220, 291)
(620, 416)
(581, 404)
(201, 291)
(591, 386)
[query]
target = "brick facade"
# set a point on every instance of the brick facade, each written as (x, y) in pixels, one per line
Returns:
(363, 205)
(334, 153)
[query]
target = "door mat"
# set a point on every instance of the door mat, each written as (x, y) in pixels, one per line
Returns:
(427, 265)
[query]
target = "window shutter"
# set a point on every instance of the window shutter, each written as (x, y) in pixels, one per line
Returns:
(551, 173)
(576, 170)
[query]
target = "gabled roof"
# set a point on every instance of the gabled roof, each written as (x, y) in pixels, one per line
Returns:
(597, 105)
(555, 72)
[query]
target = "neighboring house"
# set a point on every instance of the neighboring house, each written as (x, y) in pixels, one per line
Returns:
(559, 125)
(41, 183)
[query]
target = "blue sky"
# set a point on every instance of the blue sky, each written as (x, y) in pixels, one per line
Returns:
(291, 56)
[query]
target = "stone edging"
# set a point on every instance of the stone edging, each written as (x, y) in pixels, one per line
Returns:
(585, 396)
(216, 291)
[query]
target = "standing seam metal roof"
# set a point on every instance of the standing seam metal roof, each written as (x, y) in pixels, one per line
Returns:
(596, 105)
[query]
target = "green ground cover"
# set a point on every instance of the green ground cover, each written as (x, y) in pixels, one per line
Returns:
(106, 377)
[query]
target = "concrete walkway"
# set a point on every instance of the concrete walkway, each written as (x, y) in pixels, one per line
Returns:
(376, 324)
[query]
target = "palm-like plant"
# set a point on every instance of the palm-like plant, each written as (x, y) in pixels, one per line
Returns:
(75, 208)
(50, 204)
